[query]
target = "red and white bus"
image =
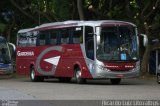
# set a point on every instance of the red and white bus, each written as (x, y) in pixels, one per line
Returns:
(79, 49)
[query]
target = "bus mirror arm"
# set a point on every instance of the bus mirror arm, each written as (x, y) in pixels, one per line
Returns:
(98, 39)
(145, 39)
(13, 46)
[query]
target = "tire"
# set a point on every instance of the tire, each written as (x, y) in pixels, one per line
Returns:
(158, 78)
(64, 79)
(115, 81)
(78, 76)
(35, 78)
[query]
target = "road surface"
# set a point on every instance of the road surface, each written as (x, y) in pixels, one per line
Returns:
(129, 89)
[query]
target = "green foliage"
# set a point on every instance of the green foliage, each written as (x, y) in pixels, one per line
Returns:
(134, 4)
(63, 9)
(136, 11)
(2, 27)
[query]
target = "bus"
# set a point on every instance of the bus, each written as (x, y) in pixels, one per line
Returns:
(82, 50)
(6, 61)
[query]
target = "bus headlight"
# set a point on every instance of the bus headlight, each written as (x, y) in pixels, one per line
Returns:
(103, 68)
(137, 67)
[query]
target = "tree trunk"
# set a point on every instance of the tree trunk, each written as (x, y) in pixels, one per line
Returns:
(145, 61)
(80, 9)
(146, 56)
(8, 29)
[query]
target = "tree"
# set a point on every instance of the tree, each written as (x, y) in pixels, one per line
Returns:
(80, 9)
(30, 13)
(148, 11)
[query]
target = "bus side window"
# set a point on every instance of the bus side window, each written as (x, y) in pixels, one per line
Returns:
(53, 37)
(32, 39)
(64, 36)
(43, 39)
(89, 42)
(27, 39)
(77, 35)
(22, 39)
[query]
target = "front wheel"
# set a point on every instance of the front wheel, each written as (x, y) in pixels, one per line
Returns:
(115, 81)
(78, 76)
(35, 78)
(158, 78)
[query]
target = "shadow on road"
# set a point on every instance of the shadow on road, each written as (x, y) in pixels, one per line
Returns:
(133, 81)
(107, 82)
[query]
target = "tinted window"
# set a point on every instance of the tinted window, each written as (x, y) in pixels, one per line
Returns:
(27, 39)
(53, 37)
(77, 35)
(42, 38)
(89, 42)
(64, 36)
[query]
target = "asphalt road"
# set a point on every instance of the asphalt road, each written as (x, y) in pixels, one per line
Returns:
(94, 89)
(129, 89)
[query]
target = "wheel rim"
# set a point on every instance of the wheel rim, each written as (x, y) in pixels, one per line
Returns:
(78, 74)
(32, 74)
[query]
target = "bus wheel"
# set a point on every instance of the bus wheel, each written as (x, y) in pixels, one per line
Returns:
(158, 78)
(35, 78)
(78, 76)
(115, 81)
(64, 79)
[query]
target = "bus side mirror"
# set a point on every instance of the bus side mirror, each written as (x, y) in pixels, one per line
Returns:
(12, 48)
(145, 39)
(98, 32)
(98, 40)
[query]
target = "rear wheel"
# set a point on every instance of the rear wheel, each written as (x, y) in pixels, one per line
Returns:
(78, 76)
(158, 78)
(35, 78)
(115, 81)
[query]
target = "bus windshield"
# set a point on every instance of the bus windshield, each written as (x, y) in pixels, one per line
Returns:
(118, 43)
(4, 52)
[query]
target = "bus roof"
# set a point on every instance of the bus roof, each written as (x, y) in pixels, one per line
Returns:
(105, 22)
(25, 30)
(76, 23)
(93, 23)
(82, 23)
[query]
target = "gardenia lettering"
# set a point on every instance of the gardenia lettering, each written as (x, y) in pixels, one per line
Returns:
(27, 53)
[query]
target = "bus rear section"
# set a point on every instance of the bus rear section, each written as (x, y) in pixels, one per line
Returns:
(79, 49)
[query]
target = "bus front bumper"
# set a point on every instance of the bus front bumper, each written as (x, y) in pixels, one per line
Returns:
(117, 74)
(5, 71)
